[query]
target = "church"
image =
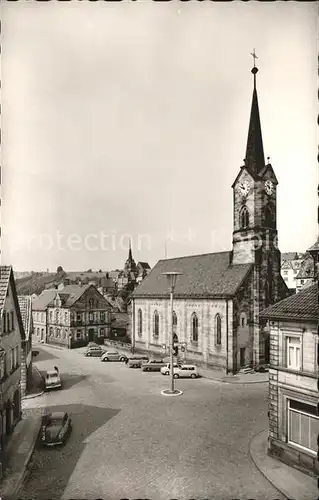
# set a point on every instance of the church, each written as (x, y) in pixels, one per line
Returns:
(218, 297)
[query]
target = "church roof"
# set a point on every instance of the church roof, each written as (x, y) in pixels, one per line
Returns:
(303, 306)
(207, 275)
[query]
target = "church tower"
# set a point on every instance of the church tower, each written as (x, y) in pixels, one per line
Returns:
(130, 265)
(255, 238)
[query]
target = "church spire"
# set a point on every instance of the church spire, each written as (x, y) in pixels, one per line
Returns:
(130, 258)
(254, 159)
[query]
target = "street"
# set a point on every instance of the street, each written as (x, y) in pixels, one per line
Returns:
(129, 441)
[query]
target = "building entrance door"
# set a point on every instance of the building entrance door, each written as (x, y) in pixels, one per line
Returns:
(242, 356)
(91, 334)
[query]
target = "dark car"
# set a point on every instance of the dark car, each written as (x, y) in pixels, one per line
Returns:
(95, 351)
(136, 361)
(154, 365)
(55, 428)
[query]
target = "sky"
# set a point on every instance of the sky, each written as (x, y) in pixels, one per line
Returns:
(128, 121)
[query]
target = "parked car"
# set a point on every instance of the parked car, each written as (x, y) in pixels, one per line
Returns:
(55, 428)
(136, 361)
(113, 356)
(52, 380)
(186, 371)
(95, 351)
(154, 365)
(165, 369)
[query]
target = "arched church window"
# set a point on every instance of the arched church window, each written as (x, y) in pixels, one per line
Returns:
(156, 324)
(218, 329)
(244, 217)
(243, 320)
(139, 323)
(194, 327)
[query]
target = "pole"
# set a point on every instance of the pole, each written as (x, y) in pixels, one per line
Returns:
(172, 343)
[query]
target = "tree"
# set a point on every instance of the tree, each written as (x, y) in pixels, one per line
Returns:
(59, 269)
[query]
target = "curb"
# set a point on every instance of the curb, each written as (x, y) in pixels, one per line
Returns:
(32, 396)
(235, 382)
(258, 467)
(26, 462)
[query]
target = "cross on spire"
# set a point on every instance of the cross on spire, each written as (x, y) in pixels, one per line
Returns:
(253, 53)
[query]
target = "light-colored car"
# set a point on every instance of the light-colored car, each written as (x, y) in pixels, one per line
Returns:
(52, 380)
(113, 355)
(165, 369)
(136, 361)
(154, 365)
(186, 371)
(94, 351)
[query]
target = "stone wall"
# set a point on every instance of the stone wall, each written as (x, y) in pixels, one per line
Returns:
(204, 351)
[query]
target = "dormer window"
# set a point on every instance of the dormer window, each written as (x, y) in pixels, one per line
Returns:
(244, 217)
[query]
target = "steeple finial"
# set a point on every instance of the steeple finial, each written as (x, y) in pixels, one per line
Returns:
(255, 159)
(255, 69)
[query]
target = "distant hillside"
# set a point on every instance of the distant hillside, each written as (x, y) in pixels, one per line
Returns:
(37, 282)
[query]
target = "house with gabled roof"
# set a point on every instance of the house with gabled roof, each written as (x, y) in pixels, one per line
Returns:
(218, 297)
(12, 338)
(39, 314)
(293, 377)
(25, 304)
(77, 315)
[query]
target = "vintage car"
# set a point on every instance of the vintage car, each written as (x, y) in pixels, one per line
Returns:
(186, 371)
(136, 361)
(52, 380)
(55, 428)
(165, 368)
(96, 351)
(113, 355)
(154, 365)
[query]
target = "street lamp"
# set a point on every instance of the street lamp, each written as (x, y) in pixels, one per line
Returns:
(172, 278)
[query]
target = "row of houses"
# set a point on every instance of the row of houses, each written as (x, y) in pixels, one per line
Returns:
(15, 356)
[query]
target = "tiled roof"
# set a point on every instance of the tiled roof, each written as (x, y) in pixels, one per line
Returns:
(302, 306)
(288, 256)
(315, 246)
(5, 273)
(71, 293)
(119, 320)
(207, 275)
(25, 304)
(306, 268)
(7, 278)
(43, 300)
(144, 265)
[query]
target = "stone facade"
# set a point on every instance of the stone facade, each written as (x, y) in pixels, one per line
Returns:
(293, 375)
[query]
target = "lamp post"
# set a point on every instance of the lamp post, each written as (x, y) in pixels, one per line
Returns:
(172, 278)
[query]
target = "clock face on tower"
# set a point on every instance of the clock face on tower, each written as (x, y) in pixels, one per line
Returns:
(243, 188)
(269, 187)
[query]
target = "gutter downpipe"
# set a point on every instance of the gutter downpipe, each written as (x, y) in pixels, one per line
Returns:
(133, 326)
(226, 336)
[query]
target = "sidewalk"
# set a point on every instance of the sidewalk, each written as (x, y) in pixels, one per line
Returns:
(19, 452)
(36, 388)
(239, 378)
(292, 483)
